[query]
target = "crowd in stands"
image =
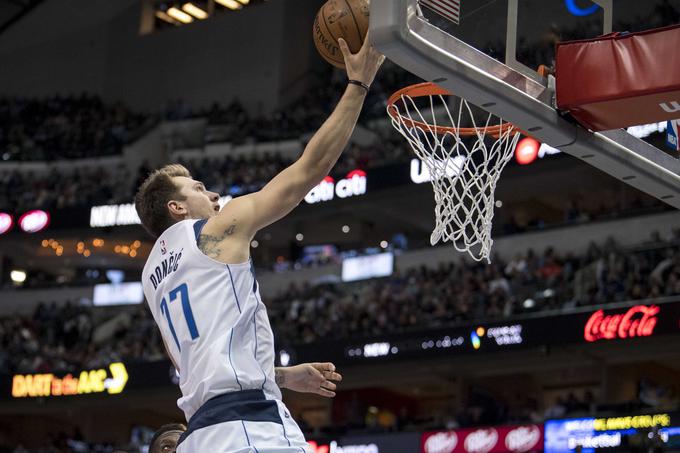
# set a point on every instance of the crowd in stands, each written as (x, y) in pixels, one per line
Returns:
(417, 298)
(64, 128)
(62, 188)
(456, 292)
(68, 336)
(232, 123)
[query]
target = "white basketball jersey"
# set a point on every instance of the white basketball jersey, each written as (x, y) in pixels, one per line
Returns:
(211, 317)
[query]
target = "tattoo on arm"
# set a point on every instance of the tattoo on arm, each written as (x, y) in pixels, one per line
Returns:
(279, 377)
(210, 244)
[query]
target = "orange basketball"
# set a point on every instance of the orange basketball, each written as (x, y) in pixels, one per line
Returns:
(346, 19)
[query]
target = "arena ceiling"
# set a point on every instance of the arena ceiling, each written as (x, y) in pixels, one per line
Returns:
(13, 10)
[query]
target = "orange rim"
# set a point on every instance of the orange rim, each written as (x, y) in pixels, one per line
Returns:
(431, 89)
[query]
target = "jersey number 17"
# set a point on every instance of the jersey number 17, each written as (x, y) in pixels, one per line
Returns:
(183, 292)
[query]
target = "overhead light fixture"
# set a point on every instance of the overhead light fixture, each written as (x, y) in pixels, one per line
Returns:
(244, 2)
(195, 11)
(180, 15)
(231, 4)
(6, 222)
(34, 221)
(18, 276)
(162, 15)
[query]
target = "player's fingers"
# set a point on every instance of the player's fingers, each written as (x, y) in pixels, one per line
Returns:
(323, 392)
(328, 385)
(367, 40)
(344, 48)
(332, 376)
(324, 366)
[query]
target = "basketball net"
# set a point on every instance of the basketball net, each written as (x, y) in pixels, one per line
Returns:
(464, 164)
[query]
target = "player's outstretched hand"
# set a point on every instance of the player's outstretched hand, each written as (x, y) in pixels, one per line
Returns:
(319, 378)
(363, 65)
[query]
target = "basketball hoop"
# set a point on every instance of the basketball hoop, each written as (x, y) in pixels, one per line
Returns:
(463, 163)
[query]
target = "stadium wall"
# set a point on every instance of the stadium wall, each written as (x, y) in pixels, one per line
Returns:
(251, 55)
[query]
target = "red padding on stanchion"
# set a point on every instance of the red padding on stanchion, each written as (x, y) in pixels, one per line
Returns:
(617, 80)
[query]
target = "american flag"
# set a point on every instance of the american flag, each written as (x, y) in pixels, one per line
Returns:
(447, 8)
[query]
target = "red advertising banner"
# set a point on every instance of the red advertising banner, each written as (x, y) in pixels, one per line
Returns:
(500, 439)
(638, 321)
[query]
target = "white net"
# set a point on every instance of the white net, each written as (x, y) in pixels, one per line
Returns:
(463, 169)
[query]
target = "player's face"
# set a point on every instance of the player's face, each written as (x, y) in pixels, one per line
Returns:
(199, 203)
(166, 442)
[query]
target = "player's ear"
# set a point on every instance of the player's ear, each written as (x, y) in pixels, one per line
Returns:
(177, 208)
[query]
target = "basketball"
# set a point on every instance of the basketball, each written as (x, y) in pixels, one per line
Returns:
(346, 19)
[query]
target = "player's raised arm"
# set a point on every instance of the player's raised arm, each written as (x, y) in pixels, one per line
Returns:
(252, 212)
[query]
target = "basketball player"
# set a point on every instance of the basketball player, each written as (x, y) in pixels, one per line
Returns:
(165, 439)
(203, 294)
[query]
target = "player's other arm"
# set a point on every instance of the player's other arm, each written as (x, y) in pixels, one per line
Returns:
(248, 214)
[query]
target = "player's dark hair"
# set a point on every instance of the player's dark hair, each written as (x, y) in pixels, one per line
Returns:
(164, 429)
(151, 200)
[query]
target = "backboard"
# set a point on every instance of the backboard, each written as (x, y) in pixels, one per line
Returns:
(490, 57)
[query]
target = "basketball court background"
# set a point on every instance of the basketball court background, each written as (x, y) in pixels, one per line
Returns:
(435, 349)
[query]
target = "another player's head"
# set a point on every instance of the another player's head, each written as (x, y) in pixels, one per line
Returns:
(165, 439)
(169, 195)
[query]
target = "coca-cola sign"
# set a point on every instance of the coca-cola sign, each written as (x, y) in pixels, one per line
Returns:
(638, 321)
(499, 439)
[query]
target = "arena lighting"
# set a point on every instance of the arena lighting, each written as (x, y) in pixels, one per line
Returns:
(284, 357)
(34, 221)
(527, 150)
(180, 15)
(6, 222)
(18, 276)
(231, 4)
(162, 15)
(195, 11)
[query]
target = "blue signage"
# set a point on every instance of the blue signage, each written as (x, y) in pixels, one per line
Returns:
(591, 434)
(579, 11)
(672, 135)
